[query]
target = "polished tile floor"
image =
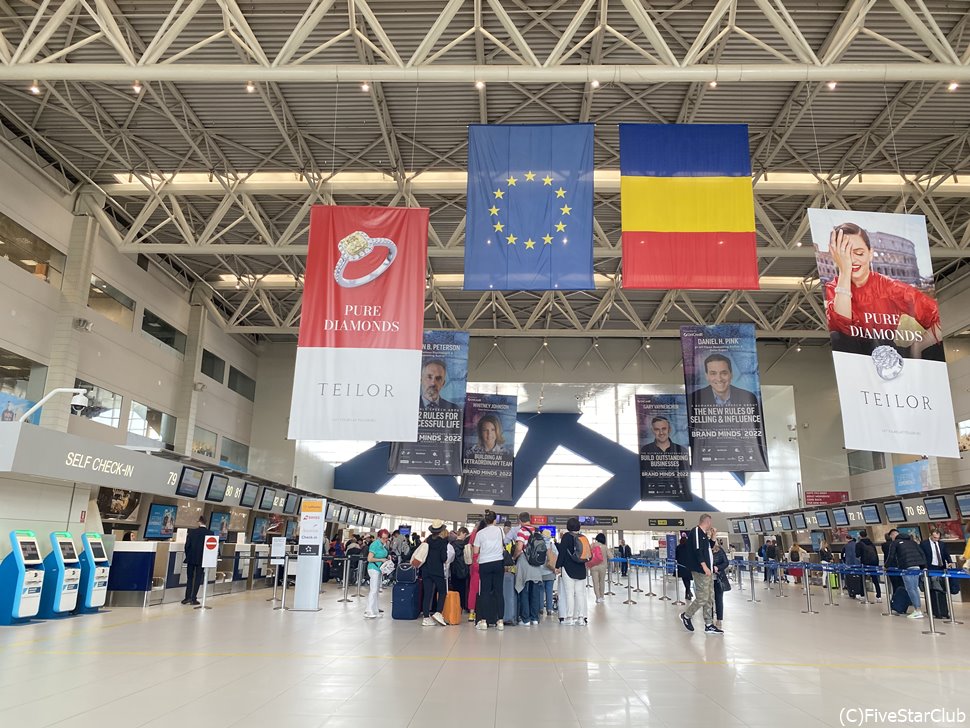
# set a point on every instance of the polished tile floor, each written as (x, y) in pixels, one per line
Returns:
(244, 665)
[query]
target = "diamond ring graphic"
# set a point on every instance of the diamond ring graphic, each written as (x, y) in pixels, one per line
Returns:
(888, 362)
(357, 246)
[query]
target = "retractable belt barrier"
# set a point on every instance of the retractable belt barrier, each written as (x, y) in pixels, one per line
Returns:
(669, 567)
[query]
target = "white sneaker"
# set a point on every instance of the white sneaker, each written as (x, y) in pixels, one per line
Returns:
(482, 625)
(878, 600)
(500, 625)
(916, 615)
(368, 615)
(568, 622)
(427, 622)
(439, 618)
(535, 623)
(600, 600)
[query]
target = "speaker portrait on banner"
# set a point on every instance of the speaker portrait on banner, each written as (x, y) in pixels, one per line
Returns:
(489, 442)
(662, 439)
(724, 407)
(441, 404)
(887, 340)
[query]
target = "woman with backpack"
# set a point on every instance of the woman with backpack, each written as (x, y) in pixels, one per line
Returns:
(574, 554)
(597, 567)
(549, 572)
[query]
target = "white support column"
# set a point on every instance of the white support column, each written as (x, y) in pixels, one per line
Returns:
(65, 345)
(188, 398)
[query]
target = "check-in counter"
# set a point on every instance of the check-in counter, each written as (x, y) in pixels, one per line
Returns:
(132, 581)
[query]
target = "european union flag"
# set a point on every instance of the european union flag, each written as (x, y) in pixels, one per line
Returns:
(529, 220)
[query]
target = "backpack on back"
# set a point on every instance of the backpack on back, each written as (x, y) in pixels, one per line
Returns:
(583, 551)
(459, 569)
(535, 549)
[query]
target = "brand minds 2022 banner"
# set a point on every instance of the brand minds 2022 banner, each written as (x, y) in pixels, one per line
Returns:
(884, 321)
(488, 446)
(664, 451)
(359, 352)
(441, 404)
(725, 415)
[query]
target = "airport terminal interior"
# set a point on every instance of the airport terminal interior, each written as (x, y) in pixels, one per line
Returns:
(480, 362)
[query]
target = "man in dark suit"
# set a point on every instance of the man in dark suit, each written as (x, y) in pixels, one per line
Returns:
(937, 557)
(720, 392)
(434, 374)
(623, 551)
(194, 545)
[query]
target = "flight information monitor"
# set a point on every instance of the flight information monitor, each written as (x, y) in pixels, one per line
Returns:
(822, 518)
(870, 514)
(189, 483)
(266, 499)
(841, 516)
(786, 523)
(894, 511)
(743, 526)
(937, 509)
(289, 507)
(963, 503)
(800, 522)
(216, 492)
(248, 497)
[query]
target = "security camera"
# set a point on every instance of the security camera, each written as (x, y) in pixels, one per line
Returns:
(78, 403)
(82, 324)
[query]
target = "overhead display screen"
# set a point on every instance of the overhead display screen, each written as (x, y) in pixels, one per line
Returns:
(189, 482)
(963, 503)
(248, 497)
(870, 514)
(289, 507)
(266, 499)
(840, 516)
(786, 523)
(67, 551)
(895, 512)
(331, 507)
(216, 491)
(743, 526)
(937, 509)
(800, 523)
(822, 518)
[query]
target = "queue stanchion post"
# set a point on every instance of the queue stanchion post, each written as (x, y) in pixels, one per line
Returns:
(360, 575)
(754, 594)
(677, 600)
(779, 592)
(205, 583)
(889, 593)
(346, 596)
(276, 581)
(929, 605)
(949, 599)
(629, 587)
(649, 592)
(865, 591)
(808, 592)
(609, 578)
(737, 572)
(663, 576)
(286, 558)
(636, 566)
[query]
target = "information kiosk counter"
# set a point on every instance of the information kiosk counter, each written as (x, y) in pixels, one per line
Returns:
(62, 577)
(21, 579)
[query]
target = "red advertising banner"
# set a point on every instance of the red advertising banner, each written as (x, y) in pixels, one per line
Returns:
(825, 497)
(361, 326)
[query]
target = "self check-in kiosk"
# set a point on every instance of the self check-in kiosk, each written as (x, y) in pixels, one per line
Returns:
(62, 577)
(21, 579)
(94, 574)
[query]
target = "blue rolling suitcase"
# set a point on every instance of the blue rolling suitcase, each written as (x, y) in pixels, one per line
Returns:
(406, 601)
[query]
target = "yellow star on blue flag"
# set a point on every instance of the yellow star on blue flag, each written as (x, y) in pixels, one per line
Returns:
(529, 182)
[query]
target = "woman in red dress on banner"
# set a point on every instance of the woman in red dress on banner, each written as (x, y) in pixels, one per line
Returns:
(868, 309)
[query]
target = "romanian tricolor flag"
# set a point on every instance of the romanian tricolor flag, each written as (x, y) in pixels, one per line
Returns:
(687, 207)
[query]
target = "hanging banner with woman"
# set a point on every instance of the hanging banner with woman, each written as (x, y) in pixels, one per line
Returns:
(887, 342)
(489, 442)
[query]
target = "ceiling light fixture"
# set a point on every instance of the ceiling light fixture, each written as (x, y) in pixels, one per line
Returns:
(712, 84)
(238, 284)
(365, 87)
(832, 85)
(35, 88)
(136, 87)
(479, 85)
(250, 87)
(594, 83)
(953, 86)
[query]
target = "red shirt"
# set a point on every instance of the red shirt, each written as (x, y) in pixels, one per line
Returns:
(878, 304)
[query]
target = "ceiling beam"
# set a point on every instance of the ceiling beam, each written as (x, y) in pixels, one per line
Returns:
(723, 73)
(803, 253)
(539, 333)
